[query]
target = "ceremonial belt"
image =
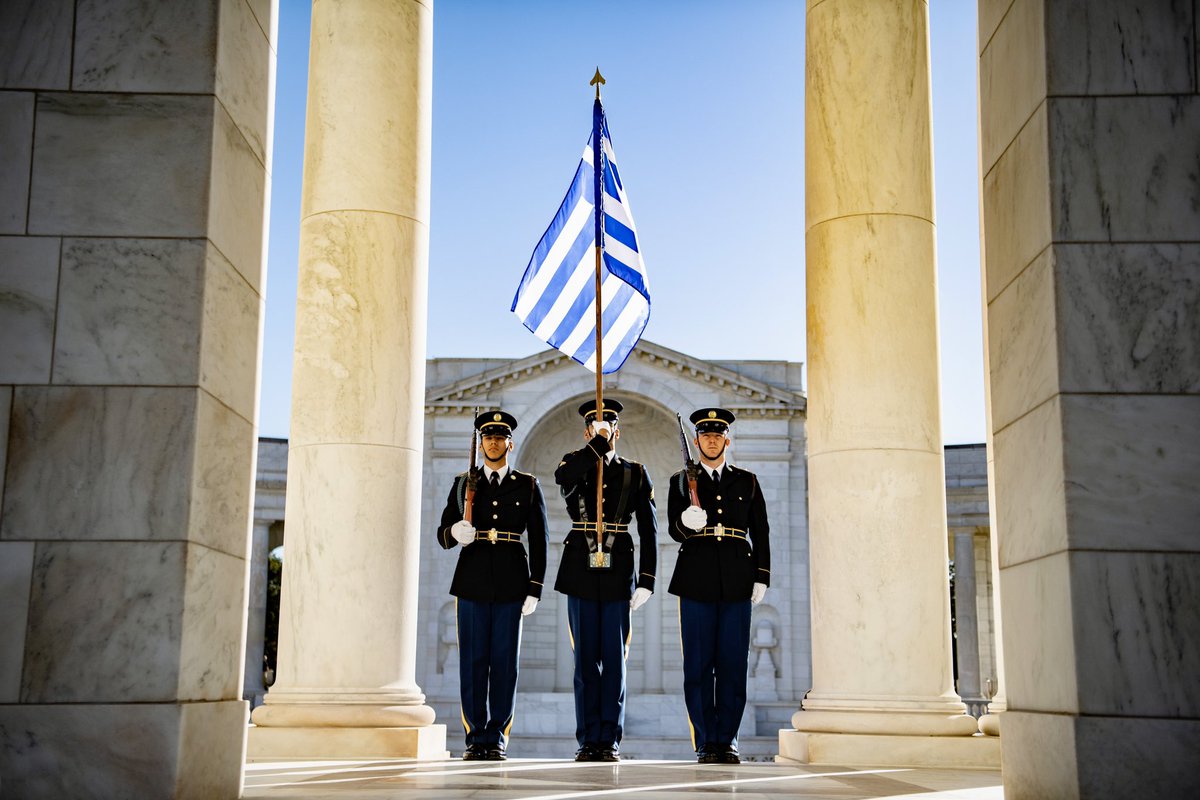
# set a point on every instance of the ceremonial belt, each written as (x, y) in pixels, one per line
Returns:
(494, 536)
(609, 527)
(720, 531)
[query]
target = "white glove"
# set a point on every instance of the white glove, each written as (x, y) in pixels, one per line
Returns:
(756, 593)
(528, 606)
(694, 517)
(602, 428)
(640, 596)
(463, 531)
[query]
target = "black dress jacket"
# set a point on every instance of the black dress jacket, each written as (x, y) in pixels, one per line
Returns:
(726, 568)
(498, 571)
(628, 495)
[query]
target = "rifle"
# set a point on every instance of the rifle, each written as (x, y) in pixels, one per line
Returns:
(469, 495)
(689, 466)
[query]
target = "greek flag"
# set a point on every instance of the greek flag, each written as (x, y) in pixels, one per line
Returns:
(557, 296)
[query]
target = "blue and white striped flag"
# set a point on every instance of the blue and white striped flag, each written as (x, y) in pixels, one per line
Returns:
(557, 296)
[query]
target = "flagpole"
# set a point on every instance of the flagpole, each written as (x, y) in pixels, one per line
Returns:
(597, 168)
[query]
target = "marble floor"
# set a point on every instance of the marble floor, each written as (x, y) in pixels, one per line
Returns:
(536, 779)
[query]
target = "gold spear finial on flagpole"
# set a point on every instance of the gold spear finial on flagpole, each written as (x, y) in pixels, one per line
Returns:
(596, 80)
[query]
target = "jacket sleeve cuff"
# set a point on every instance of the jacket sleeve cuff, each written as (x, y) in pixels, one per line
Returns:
(535, 589)
(763, 576)
(645, 581)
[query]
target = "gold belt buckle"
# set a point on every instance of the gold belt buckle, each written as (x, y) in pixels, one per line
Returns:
(720, 531)
(493, 536)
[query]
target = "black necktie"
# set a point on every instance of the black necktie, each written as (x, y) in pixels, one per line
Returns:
(495, 480)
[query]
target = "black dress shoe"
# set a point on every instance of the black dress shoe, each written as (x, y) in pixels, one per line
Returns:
(586, 753)
(730, 756)
(708, 755)
(475, 752)
(606, 753)
(494, 752)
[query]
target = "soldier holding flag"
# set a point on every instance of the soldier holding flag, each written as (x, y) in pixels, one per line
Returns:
(719, 515)
(496, 582)
(600, 590)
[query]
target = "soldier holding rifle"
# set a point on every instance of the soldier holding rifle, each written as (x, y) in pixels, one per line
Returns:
(719, 514)
(496, 582)
(598, 575)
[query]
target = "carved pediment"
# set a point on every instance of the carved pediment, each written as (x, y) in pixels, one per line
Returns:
(753, 395)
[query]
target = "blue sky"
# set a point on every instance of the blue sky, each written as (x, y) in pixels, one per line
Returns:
(706, 108)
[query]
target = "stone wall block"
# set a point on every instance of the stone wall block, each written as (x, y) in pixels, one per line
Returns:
(230, 331)
(349, 287)
(1022, 350)
(16, 571)
(99, 463)
(1050, 755)
(1016, 205)
(121, 165)
(894, 174)
(1012, 76)
(1131, 468)
(1115, 47)
(1029, 464)
(243, 57)
(16, 143)
(114, 622)
(28, 292)
(237, 200)
(266, 20)
(991, 14)
(145, 46)
(1124, 169)
(1130, 317)
(35, 44)
(105, 622)
(341, 171)
(211, 633)
(130, 311)
(885, 397)
(1040, 661)
(222, 478)
(6, 396)
(173, 750)
(1137, 633)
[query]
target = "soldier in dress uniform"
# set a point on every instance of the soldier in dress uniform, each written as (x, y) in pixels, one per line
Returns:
(496, 582)
(599, 600)
(724, 566)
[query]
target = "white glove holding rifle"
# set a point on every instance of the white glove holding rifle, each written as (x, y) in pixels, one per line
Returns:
(463, 531)
(694, 517)
(602, 428)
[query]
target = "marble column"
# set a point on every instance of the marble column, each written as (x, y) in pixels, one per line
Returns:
(878, 554)
(966, 618)
(134, 174)
(1090, 144)
(348, 631)
(256, 612)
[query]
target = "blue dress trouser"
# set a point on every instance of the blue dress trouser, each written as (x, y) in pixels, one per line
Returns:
(716, 648)
(599, 632)
(489, 645)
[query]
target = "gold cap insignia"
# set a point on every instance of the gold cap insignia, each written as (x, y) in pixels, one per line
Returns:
(712, 415)
(496, 417)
